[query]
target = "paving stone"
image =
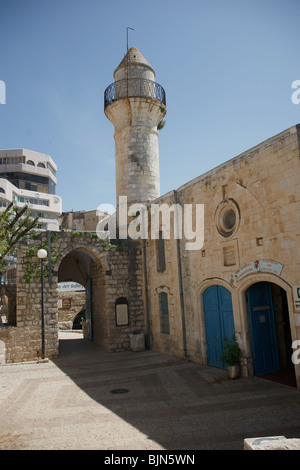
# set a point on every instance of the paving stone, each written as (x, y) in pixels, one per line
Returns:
(67, 403)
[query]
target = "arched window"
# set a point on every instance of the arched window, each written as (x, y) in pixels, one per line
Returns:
(30, 162)
(2, 191)
(41, 165)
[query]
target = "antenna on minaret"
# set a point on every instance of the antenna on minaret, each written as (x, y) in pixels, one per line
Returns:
(127, 34)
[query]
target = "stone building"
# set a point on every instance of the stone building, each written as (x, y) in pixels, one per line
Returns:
(82, 221)
(113, 280)
(235, 271)
(245, 278)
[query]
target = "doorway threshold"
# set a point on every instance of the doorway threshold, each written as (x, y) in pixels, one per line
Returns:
(284, 377)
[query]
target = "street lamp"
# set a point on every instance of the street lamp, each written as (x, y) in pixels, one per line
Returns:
(42, 254)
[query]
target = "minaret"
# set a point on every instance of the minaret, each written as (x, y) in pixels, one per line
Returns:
(135, 104)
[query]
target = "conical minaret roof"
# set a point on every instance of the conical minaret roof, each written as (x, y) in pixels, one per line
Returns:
(134, 57)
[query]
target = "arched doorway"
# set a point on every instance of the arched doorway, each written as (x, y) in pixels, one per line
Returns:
(81, 265)
(219, 322)
(268, 317)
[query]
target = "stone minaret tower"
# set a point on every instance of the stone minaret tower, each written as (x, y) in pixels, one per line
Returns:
(135, 104)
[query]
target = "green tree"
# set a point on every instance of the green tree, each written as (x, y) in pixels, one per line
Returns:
(15, 225)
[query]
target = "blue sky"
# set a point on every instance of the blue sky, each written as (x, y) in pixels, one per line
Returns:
(227, 67)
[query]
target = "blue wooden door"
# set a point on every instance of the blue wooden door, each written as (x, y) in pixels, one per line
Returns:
(265, 352)
(88, 310)
(219, 323)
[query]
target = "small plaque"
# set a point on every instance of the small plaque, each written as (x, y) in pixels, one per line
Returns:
(122, 314)
(296, 292)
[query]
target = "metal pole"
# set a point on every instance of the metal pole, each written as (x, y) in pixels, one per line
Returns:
(42, 303)
(127, 35)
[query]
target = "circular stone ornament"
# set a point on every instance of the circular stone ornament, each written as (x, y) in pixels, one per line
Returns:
(227, 217)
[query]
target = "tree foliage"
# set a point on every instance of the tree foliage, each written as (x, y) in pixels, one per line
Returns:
(15, 225)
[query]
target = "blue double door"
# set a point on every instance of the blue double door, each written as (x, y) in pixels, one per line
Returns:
(264, 341)
(219, 322)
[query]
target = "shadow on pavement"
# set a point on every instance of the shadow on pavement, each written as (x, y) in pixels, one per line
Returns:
(178, 404)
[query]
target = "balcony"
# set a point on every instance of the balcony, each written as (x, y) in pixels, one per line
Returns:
(134, 87)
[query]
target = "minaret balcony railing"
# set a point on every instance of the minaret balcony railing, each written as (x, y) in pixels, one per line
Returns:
(134, 87)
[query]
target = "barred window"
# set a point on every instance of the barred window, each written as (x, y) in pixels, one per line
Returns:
(164, 313)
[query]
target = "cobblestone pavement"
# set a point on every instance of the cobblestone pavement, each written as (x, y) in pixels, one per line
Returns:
(89, 399)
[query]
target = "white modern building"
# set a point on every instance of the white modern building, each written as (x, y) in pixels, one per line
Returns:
(29, 178)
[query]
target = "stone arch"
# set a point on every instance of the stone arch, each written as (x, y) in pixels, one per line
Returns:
(247, 282)
(242, 288)
(93, 251)
(87, 266)
(116, 271)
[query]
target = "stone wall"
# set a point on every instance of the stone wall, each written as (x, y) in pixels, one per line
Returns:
(70, 303)
(115, 272)
(263, 185)
(123, 280)
(167, 281)
(136, 147)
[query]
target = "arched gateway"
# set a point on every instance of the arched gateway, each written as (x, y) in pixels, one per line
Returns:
(110, 272)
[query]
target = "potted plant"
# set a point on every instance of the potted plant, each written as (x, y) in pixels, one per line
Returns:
(231, 357)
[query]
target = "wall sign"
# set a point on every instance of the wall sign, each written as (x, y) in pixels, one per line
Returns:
(296, 292)
(261, 265)
(122, 316)
(69, 286)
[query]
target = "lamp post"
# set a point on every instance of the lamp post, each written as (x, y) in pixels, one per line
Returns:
(42, 254)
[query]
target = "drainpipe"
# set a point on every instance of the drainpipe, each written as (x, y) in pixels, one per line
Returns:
(180, 277)
(148, 341)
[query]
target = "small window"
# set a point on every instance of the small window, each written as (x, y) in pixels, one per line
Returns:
(160, 253)
(41, 165)
(2, 191)
(164, 313)
(30, 162)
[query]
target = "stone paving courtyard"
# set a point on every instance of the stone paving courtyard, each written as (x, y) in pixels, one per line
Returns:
(89, 399)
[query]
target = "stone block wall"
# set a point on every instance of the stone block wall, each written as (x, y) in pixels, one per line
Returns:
(264, 184)
(124, 280)
(167, 281)
(136, 147)
(115, 272)
(70, 303)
